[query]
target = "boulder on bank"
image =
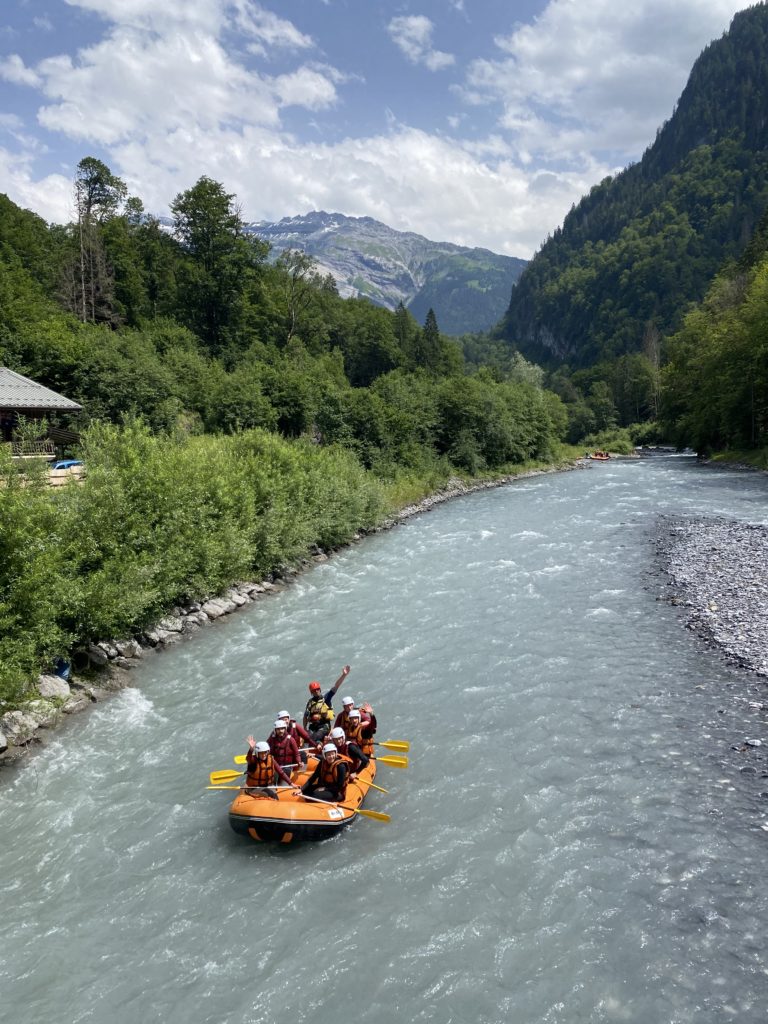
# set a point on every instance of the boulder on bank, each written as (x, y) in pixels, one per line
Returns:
(19, 727)
(53, 688)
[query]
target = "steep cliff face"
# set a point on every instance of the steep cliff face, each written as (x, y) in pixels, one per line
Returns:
(467, 288)
(639, 248)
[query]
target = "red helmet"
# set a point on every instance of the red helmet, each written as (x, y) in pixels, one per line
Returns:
(315, 687)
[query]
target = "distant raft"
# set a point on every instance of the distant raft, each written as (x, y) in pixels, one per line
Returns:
(292, 818)
(600, 456)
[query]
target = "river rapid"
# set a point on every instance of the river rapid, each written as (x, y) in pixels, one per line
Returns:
(573, 842)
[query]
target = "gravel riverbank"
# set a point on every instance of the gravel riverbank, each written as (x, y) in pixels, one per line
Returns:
(718, 573)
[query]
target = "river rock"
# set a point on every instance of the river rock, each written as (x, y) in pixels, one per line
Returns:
(53, 686)
(124, 663)
(236, 598)
(109, 648)
(214, 608)
(159, 636)
(171, 624)
(129, 648)
(3, 742)
(18, 727)
(97, 655)
(44, 713)
(78, 702)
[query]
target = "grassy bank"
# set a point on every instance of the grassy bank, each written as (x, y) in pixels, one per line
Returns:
(755, 457)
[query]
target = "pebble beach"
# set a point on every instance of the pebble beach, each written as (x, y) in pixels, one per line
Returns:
(718, 574)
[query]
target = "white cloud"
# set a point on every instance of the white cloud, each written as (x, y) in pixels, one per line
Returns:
(268, 29)
(597, 75)
(307, 87)
(13, 69)
(50, 197)
(407, 178)
(44, 23)
(413, 35)
(163, 100)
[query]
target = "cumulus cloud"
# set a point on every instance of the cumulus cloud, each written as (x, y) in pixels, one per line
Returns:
(13, 69)
(267, 29)
(164, 98)
(595, 76)
(413, 35)
(50, 197)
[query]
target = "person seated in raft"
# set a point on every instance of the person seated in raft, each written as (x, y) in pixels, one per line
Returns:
(360, 732)
(283, 747)
(299, 734)
(262, 770)
(358, 759)
(329, 780)
(318, 714)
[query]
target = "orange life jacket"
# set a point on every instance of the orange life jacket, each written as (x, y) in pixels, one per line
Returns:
(261, 773)
(329, 773)
(354, 734)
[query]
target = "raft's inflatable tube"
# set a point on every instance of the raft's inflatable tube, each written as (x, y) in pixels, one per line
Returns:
(290, 818)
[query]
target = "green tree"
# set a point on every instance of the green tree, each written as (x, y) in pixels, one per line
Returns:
(223, 261)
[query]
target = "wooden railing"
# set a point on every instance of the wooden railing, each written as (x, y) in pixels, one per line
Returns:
(32, 449)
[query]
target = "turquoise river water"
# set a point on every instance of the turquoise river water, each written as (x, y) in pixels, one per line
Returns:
(573, 841)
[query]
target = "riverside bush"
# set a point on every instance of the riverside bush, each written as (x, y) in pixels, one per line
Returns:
(159, 520)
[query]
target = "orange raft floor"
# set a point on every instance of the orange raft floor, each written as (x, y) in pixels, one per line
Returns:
(291, 818)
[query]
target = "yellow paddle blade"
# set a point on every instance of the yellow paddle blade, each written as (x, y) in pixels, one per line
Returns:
(225, 776)
(403, 745)
(380, 788)
(226, 787)
(376, 815)
(393, 762)
(240, 759)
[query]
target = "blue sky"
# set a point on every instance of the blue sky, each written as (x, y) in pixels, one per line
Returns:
(473, 121)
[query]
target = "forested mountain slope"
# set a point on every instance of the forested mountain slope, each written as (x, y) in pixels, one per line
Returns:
(641, 247)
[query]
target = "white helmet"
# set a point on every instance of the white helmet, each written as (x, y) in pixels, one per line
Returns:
(330, 748)
(261, 747)
(354, 713)
(283, 714)
(280, 724)
(337, 733)
(348, 701)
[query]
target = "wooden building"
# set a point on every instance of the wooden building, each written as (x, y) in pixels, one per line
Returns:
(20, 396)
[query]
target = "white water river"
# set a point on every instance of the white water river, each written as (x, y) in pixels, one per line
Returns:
(573, 843)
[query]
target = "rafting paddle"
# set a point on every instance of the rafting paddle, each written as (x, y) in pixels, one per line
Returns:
(376, 815)
(402, 745)
(393, 762)
(224, 776)
(228, 775)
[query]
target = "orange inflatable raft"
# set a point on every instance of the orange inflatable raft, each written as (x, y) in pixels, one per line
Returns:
(293, 818)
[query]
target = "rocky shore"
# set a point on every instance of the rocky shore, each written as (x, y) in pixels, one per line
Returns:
(103, 668)
(718, 574)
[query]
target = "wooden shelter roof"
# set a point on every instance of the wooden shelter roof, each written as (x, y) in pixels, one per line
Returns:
(17, 392)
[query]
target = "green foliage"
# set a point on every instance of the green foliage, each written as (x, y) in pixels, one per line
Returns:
(641, 247)
(157, 520)
(234, 413)
(222, 265)
(715, 386)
